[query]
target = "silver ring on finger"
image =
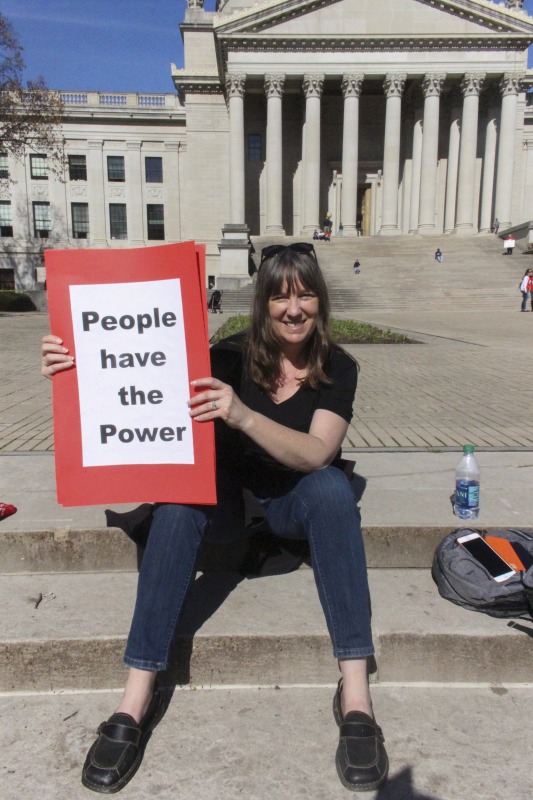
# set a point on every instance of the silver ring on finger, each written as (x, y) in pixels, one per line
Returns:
(44, 363)
(214, 405)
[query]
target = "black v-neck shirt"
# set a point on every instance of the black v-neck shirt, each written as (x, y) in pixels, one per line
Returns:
(236, 450)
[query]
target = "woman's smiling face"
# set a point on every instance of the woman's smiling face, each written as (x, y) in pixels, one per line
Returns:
(293, 314)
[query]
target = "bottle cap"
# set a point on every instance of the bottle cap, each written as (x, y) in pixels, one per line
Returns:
(468, 448)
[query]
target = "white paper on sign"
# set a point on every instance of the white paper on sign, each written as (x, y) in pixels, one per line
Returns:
(131, 364)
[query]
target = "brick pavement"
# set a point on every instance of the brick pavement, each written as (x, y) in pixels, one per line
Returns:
(468, 380)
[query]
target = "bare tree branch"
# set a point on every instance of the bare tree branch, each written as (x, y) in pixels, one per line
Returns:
(31, 114)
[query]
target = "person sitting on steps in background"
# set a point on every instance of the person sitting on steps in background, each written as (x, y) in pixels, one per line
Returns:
(438, 255)
(281, 396)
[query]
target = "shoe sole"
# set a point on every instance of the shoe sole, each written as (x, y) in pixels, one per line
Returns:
(116, 787)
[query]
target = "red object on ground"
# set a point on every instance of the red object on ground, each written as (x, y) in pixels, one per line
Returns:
(6, 510)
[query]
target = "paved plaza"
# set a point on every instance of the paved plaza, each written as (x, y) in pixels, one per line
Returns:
(468, 379)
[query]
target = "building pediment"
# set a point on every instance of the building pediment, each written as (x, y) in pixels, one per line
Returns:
(381, 17)
(380, 25)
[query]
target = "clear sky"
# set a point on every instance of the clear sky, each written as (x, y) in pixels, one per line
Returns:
(105, 45)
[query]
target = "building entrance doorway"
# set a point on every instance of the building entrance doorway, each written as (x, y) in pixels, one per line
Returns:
(364, 206)
(366, 225)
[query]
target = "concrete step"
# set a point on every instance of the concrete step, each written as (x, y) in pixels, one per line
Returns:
(447, 743)
(109, 549)
(277, 744)
(68, 631)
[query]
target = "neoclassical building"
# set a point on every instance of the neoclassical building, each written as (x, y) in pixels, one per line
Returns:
(396, 116)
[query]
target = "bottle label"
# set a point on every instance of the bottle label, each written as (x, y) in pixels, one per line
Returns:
(467, 494)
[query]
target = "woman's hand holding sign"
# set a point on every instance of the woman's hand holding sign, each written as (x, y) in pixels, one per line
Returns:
(54, 356)
(219, 401)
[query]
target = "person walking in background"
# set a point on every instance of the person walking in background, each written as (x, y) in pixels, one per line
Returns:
(327, 224)
(357, 266)
(438, 255)
(509, 245)
(496, 225)
(526, 287)
(215, 301)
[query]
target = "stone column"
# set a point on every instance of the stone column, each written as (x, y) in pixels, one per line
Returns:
(172, 170)
(351, 89)
(274, 155)
(312, 87)
(415, 172)
(98, 209)
(393, 87)
(489, 163)
(431, 87)
(235, 91)
(471, 86)
(453, 163)
(510, 87)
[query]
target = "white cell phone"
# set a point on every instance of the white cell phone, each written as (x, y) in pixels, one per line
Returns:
(497, 568)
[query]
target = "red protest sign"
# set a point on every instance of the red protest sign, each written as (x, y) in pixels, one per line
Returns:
(135, 320)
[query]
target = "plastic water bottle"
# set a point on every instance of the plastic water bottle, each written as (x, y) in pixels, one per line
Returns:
(466, 504)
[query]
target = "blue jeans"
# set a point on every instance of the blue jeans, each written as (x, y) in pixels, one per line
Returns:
(524, 301)
(319, 506)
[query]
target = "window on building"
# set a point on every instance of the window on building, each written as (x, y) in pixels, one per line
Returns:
(115, 168)
(77, 168)
(4, 166)
(39, 167)
(6, 220)
(7, 280)
(254, 147)
(117, 221)
(80, 220)
(42, 223)
(156, 221)
(153, 166)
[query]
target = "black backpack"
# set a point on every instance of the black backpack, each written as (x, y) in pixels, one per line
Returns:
(463, 580)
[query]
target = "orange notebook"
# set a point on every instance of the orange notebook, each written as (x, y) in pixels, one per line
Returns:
(505, 549)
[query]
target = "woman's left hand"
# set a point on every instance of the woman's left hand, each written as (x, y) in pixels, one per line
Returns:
(217, 400)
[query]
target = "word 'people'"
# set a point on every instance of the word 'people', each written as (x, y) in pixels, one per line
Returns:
(141, 321)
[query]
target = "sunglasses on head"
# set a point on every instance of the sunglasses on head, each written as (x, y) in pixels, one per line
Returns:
(304, 248)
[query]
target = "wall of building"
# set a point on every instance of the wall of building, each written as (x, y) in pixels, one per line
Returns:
(131, 127)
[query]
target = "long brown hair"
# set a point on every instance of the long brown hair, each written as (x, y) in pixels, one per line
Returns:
(287, 269)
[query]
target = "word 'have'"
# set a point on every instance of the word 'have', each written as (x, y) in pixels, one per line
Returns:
(158, 359)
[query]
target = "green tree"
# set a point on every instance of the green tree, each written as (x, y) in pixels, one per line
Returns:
(30, 115)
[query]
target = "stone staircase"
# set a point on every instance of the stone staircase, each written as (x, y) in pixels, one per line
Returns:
(67, 598)
(400, 272)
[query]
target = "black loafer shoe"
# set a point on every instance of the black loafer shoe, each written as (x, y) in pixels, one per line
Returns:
(116, 755)
(361, 759)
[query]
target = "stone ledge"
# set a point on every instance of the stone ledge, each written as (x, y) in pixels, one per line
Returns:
(236, 631)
